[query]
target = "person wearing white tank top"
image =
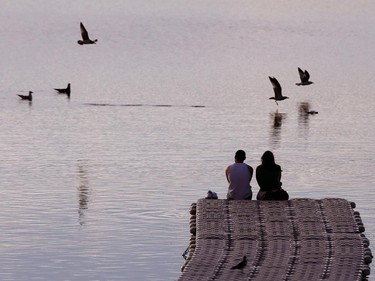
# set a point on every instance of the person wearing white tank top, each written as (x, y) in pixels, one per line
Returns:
(239, 175)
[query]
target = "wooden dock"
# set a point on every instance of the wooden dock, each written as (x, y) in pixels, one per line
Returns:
(298, 239)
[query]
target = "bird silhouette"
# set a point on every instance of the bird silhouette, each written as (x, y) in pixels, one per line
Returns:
(64, 90)
(240, 265)
(277, 89)
(27, 97)
(312, 112)
(304, 109)
(85, 36)
(304, 76)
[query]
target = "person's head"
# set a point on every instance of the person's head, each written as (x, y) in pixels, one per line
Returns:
(240, 156)
(268, 159)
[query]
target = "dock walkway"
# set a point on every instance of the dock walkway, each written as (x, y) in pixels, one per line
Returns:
(298, 239)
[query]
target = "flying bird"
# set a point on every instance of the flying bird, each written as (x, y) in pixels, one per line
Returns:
(64, 90)
(304, 76)
(85, 37)
(277, 89)
(27, 97)
(240, 265)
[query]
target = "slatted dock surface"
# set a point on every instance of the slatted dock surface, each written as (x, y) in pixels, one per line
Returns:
(299, 239)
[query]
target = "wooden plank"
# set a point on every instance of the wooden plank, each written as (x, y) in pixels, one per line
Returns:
(298, 239)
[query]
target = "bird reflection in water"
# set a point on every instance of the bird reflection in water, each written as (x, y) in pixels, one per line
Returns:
(303, 116)
(28, 97)
(83, 192)
(276, 119)
(304, 112)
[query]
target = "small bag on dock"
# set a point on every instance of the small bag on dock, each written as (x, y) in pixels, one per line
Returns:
(211, 195)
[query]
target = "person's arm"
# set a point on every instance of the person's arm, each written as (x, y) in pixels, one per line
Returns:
(259, 177)
(251, 170)
(227, 170)
(279, 176)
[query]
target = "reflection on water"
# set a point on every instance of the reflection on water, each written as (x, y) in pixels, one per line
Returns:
(304, 113)
(83, 191)
(304, 110)
(99, 187)
(303, 118)
(276, 120)
(29, 102)
(139, 104)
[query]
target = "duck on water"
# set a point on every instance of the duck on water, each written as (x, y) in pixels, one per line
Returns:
(64, 90)
(28, 97)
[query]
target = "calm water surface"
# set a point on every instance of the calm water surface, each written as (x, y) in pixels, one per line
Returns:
(98, 187)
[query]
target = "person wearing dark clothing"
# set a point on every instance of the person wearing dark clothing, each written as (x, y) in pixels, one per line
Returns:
(268, 176)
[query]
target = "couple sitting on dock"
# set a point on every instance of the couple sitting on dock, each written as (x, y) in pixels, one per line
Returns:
(268, 176)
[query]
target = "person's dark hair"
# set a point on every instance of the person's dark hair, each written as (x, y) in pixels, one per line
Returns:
(240, 155)
(268, 159)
